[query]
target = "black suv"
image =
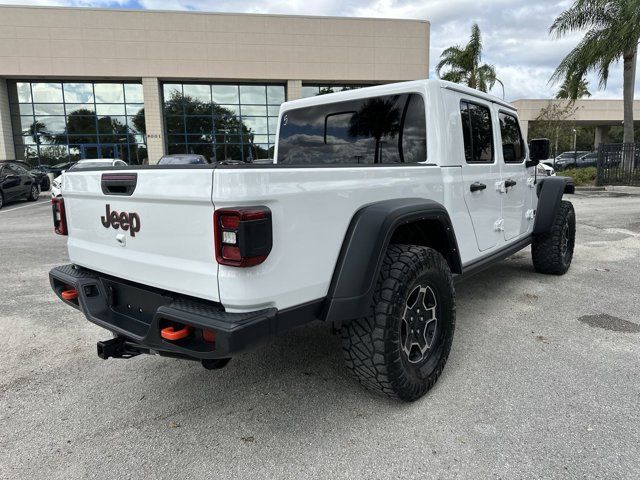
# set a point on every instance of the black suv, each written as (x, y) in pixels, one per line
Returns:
(16, 183)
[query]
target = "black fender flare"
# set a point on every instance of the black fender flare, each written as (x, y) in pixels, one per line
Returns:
(363, 249)
(550, 191)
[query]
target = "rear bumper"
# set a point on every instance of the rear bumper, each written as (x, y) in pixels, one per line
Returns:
(138, 313)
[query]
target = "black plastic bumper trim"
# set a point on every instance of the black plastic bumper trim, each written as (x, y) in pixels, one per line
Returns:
(105, 301)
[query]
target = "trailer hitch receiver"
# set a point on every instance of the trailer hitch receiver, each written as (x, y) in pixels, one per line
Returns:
(117, 348)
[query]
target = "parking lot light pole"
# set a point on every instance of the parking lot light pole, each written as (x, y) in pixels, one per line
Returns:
(575, 149)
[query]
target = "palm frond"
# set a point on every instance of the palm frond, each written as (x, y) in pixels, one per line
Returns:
(582, 15)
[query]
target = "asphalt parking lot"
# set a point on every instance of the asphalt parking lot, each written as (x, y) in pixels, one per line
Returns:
(539, 383)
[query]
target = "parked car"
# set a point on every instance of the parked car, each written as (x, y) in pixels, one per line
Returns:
(588, 160)
(41, 177)
(16, 183)
(568, 159)
(58, 168)
(545, 170)
(183, 159)
(56, 186)
(221, 261)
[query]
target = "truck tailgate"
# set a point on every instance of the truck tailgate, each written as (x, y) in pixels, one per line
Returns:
(168, 243)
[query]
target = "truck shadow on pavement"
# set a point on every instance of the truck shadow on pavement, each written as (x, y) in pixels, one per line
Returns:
(307, 362)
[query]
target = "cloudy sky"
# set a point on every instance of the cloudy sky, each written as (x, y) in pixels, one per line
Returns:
(515, 32)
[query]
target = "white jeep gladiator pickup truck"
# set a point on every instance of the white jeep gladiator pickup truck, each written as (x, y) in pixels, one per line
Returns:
(378, 199)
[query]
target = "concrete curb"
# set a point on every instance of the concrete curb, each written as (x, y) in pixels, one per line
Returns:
(627, 190)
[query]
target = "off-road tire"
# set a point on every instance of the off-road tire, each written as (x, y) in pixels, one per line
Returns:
(372, 345)
(552, 251)
(34, 193)
(1, 200)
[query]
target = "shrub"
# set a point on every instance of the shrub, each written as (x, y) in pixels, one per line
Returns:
(583, 177)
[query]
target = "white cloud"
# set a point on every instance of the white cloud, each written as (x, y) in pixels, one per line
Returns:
(515, 32)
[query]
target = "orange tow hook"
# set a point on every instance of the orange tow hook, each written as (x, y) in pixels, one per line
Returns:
(69, 295)
(169, 333)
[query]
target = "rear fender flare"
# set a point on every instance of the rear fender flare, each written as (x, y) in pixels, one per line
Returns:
(364, 247)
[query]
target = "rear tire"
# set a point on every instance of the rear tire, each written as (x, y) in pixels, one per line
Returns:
(1, 200)
(552, 252)
(401, 347)
(34, 193)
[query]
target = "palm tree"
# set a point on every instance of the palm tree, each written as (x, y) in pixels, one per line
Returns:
(464, 64)
(612, 34)
(573, 89)
(377, 118)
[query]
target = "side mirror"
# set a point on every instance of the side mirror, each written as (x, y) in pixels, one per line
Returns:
(539, 149)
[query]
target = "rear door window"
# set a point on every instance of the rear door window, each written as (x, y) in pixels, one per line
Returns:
(477, 132)
(377, 130)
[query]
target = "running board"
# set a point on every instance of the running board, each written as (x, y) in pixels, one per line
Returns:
(485, 262)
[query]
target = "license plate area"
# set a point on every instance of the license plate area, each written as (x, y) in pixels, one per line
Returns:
(135, 303)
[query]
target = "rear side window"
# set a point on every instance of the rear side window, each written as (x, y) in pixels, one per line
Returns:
(476, 132)
(385, 129)
(512, 150)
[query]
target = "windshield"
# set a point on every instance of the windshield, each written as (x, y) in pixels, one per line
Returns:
(81, 165)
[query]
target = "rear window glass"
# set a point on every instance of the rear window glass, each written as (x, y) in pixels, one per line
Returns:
(385, 129)
(477, 133)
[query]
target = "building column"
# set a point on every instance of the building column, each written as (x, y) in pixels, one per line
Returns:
(294, 89)
(524, 129)
(601, 136)
(7, 151)
(153, 119)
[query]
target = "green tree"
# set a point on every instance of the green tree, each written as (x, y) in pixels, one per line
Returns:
(217, 127)
(138, 122)
(553, 122)
(573, 89)
(612, 34)
(463, 64)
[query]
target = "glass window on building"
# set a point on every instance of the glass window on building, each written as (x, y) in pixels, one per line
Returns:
(309, 90)
(58, 122)
(222, 121)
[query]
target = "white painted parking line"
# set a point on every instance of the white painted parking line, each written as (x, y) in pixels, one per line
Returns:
(39, 203)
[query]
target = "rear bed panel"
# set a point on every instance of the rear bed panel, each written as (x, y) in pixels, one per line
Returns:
(173, 249)
(311, 210)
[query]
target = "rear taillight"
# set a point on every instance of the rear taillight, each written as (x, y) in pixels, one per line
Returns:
(243, 236)
(59, 216)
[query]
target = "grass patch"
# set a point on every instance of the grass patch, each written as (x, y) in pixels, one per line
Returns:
(583, 177)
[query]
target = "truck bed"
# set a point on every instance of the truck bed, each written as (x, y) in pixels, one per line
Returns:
(174, 249)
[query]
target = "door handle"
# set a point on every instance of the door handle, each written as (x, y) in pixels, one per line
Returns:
(477, 186)
(510, 183)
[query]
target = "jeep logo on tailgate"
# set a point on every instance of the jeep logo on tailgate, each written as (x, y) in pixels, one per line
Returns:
(125, 221)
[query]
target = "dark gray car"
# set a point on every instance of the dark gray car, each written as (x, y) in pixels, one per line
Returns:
(16, 183)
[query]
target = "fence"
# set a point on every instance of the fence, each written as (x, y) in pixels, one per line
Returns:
(618, 164)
